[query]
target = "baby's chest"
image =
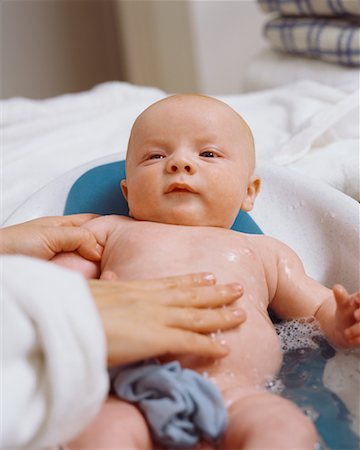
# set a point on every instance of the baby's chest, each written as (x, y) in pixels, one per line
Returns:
(151, 252)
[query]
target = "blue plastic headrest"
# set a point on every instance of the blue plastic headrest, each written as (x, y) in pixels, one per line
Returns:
(98, 191)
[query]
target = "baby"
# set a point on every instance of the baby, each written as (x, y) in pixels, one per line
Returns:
(189, 170)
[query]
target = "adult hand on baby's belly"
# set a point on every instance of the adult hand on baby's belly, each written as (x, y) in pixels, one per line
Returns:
(254, 358)
(149, 318)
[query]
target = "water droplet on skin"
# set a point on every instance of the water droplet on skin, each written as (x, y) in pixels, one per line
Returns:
(231, 256)
(287, 271)
(230, 374)
(286, 266)
(229, 402)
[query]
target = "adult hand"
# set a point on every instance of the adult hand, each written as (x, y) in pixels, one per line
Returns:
(148, 318)
(45, 237)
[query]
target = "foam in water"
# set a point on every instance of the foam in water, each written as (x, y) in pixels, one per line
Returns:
(297, 334)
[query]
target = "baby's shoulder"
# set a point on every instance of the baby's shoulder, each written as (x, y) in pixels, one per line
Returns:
(270, 247)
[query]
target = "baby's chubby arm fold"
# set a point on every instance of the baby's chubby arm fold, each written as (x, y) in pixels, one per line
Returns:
(297, 295)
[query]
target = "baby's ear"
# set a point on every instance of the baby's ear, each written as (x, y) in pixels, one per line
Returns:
(251, 193)
(124, 188)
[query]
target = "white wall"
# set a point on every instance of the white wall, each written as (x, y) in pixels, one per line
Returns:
(157, 43)
(226, 36)
(50, 47)
(190, 45)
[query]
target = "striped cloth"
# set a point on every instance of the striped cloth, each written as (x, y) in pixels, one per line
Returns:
(311, 7)
(332, 40)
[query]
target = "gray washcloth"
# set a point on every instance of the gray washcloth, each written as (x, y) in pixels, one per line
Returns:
(180, 406)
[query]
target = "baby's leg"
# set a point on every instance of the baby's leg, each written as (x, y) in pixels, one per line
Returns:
(261, 420)
(118, 425)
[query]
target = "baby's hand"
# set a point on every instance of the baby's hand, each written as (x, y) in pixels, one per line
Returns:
(348, 315)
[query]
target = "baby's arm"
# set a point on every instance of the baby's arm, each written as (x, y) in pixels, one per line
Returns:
(298, 295)
(72, 260)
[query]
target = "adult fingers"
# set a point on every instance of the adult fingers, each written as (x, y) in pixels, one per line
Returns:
(185, 342)
(205, 321)
(203, 297)
(54, 221)
(68, 239)
(114, 293)
(109, 275)
(192, 279)
(158, 341)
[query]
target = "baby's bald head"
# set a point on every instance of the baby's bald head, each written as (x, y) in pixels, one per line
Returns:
(183, 110)
(195, 140)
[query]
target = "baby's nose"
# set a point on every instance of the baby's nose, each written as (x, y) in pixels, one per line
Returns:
(181, 165)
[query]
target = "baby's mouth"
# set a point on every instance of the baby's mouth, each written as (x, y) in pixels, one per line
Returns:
(179, 188)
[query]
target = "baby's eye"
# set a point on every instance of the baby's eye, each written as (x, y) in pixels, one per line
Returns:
(208, 154)
(156, 156)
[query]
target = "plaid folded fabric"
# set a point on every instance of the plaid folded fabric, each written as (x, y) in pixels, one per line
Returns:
(332, 40)
(311, 7)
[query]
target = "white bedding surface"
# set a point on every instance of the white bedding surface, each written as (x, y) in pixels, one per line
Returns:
(42, 139)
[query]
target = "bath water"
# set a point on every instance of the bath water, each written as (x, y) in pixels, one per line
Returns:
(300, 380)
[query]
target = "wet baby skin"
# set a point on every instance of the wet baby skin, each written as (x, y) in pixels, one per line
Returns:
(190, 168)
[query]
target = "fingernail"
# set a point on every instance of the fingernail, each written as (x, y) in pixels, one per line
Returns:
(237, 312)
(236, 287)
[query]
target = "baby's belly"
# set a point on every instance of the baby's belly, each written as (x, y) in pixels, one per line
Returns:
(255, 354)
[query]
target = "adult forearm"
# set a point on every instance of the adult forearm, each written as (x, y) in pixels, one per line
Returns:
(54, 367)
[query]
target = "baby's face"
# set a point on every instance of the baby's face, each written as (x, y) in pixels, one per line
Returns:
(190, 162)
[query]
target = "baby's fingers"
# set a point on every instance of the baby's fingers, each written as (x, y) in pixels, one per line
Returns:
(341, 295)
(357, 314)
(353, 334)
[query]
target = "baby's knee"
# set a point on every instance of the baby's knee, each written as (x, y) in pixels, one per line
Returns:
(128, 422)
(118, 425)
(292, 421)
(268, 419)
